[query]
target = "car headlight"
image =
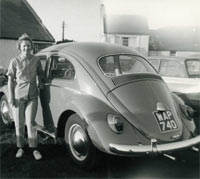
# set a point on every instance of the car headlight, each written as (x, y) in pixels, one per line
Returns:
(187, 110)
(115, 123)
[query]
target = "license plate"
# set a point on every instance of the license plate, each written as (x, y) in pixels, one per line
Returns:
(165, 121)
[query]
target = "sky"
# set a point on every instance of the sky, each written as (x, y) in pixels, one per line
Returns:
(159, 13)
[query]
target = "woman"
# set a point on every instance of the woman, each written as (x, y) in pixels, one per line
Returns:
(23, 94)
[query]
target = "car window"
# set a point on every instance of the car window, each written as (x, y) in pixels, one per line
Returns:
(43, 60)
(155, 63)
(61, 68)
(172, 68)
(107, 64)
(193, 67)
(116, 65)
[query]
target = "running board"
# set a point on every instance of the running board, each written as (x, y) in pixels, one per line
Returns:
(45, 131)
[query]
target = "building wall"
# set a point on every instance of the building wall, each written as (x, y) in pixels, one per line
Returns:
(8, 50)
(173, 53)
(136, 42)
(143, 44)
(188, 54)
(159, 53)
(40, 45)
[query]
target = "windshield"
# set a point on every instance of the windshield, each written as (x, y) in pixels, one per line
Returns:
(172, 68)
(116, 65)
(193, 67)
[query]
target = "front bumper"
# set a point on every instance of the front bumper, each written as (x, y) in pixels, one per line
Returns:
(154, 147)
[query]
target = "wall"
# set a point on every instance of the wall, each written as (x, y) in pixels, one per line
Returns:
(188, 54)
(176, 53)
(143, 46)
(159, 53)
(136, 42)
(8, 50)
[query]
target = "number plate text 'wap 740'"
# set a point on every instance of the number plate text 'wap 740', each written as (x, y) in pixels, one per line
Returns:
(165, 121)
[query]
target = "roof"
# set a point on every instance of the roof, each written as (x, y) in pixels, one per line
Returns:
(125, 24)
(175, 39)
(17, 17)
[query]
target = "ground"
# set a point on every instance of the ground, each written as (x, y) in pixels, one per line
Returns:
(56, 163)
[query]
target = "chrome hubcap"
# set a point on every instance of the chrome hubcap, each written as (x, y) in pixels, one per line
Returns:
(78, 142)
(4, 111)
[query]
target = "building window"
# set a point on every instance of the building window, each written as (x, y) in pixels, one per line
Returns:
(173, 53)
(125, 41)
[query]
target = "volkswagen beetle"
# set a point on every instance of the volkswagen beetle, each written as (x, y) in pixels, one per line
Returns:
(106, 98)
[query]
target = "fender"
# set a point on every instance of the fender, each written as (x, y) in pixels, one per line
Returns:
(94, 113)
(189, 124)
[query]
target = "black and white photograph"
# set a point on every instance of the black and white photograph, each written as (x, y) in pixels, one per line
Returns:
(100, 89)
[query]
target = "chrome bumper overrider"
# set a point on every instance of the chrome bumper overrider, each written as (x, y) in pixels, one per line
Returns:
(154, 147)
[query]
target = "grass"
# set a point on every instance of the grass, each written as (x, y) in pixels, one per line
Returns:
(56, 163)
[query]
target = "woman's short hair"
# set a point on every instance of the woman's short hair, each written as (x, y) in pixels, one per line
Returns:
(22, 38)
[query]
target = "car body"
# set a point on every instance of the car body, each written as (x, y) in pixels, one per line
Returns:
(182, 75)
(3, 77)
(108, 98)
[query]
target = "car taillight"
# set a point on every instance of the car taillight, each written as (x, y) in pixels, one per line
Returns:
(115, 123)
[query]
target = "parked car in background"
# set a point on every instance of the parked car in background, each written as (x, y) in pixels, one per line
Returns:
(182, 75)
(108, 98)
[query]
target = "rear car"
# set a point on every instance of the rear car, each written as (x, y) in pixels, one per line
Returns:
(182, 75)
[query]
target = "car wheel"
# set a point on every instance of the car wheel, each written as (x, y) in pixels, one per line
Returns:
(79, 145)
(4, 111)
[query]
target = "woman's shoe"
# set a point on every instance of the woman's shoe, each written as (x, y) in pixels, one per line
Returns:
(37, 155)
(19, 153)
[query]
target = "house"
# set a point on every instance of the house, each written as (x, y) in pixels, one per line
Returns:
(128, 30)
(18, 17)
(175, 41)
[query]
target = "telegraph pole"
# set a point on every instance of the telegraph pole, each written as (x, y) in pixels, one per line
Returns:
(63, 30)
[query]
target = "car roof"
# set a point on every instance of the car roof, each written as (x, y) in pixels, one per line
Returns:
(87, 54)
(90, 51)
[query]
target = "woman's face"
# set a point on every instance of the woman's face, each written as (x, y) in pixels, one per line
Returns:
(25, 48)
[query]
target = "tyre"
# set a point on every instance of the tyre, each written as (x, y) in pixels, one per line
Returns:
(4, 111)
(79, 145)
